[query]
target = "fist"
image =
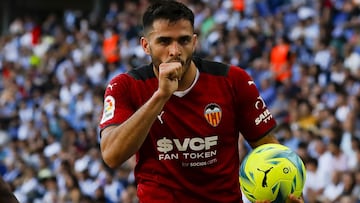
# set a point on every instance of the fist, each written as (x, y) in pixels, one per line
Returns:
(169, 76)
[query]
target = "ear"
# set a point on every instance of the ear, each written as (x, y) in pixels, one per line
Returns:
(145, 45)
(195, 41)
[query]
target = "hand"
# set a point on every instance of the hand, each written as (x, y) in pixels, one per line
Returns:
(169, 76)
(291, 199)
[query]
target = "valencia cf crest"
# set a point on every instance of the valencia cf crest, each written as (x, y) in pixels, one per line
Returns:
(213, 114)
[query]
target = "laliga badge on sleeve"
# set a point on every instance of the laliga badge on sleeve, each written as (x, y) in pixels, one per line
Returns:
(109, 109)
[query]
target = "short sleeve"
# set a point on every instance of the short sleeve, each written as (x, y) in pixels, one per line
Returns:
(117, 101)
(253, 117)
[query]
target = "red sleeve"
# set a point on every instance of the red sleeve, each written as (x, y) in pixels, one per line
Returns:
(117, 106)
(327, 4)
(253, 117)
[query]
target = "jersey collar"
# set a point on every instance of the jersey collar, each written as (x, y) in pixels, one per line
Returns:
(184, 92)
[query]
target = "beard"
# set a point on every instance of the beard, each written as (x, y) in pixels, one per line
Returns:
(185, 63)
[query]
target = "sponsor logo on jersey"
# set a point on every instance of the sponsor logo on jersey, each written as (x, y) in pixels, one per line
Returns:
(194, 152)
(213, 114)
(109, 109)
(265, 115)
(260, 104)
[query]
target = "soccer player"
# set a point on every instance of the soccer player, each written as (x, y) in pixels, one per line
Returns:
(182, 115)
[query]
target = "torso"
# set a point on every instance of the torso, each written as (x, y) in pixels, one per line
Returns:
(194, 142)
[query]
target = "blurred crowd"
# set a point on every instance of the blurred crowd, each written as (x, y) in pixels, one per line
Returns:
(304, 56)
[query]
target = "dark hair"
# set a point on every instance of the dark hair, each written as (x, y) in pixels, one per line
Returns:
(168, 10)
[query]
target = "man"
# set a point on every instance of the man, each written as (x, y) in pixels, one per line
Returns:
(181, 116)
(5, 193)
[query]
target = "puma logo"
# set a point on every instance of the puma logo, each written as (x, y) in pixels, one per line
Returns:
(159, 117)
(264, 181)
(111, 86)
(250, 82)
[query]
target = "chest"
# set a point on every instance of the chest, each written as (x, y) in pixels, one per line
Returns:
(208, 109)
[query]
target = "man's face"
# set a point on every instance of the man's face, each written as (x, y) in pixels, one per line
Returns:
(169, 42)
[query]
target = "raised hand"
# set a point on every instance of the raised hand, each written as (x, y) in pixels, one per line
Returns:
(291, 199)
(169, 76)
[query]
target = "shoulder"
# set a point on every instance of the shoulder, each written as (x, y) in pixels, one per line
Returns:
(218, 68)
(211, 67)
(130, 80)
(144, 72)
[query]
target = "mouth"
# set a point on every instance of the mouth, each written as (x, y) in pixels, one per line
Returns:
(175, 60)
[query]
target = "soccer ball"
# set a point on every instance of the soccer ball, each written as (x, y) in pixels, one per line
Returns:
(272, 172)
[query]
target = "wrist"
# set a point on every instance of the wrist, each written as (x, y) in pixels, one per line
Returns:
(161, 96)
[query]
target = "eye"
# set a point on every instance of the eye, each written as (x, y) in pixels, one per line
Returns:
(164, 41)
(184, 40)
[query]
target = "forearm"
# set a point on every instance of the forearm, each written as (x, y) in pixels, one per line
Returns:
(118, 143)
(270, 138)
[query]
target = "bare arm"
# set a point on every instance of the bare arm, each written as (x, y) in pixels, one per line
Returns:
(118, 143)
(269, 138)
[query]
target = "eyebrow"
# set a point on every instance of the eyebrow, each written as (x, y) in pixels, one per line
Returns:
(163, 38)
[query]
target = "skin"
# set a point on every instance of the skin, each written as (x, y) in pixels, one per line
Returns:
(171, 47)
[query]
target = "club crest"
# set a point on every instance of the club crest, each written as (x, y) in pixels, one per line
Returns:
(213, 114)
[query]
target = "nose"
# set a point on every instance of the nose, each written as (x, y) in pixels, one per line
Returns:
(174, 49)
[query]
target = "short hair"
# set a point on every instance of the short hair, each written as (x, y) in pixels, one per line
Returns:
(166, 9)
